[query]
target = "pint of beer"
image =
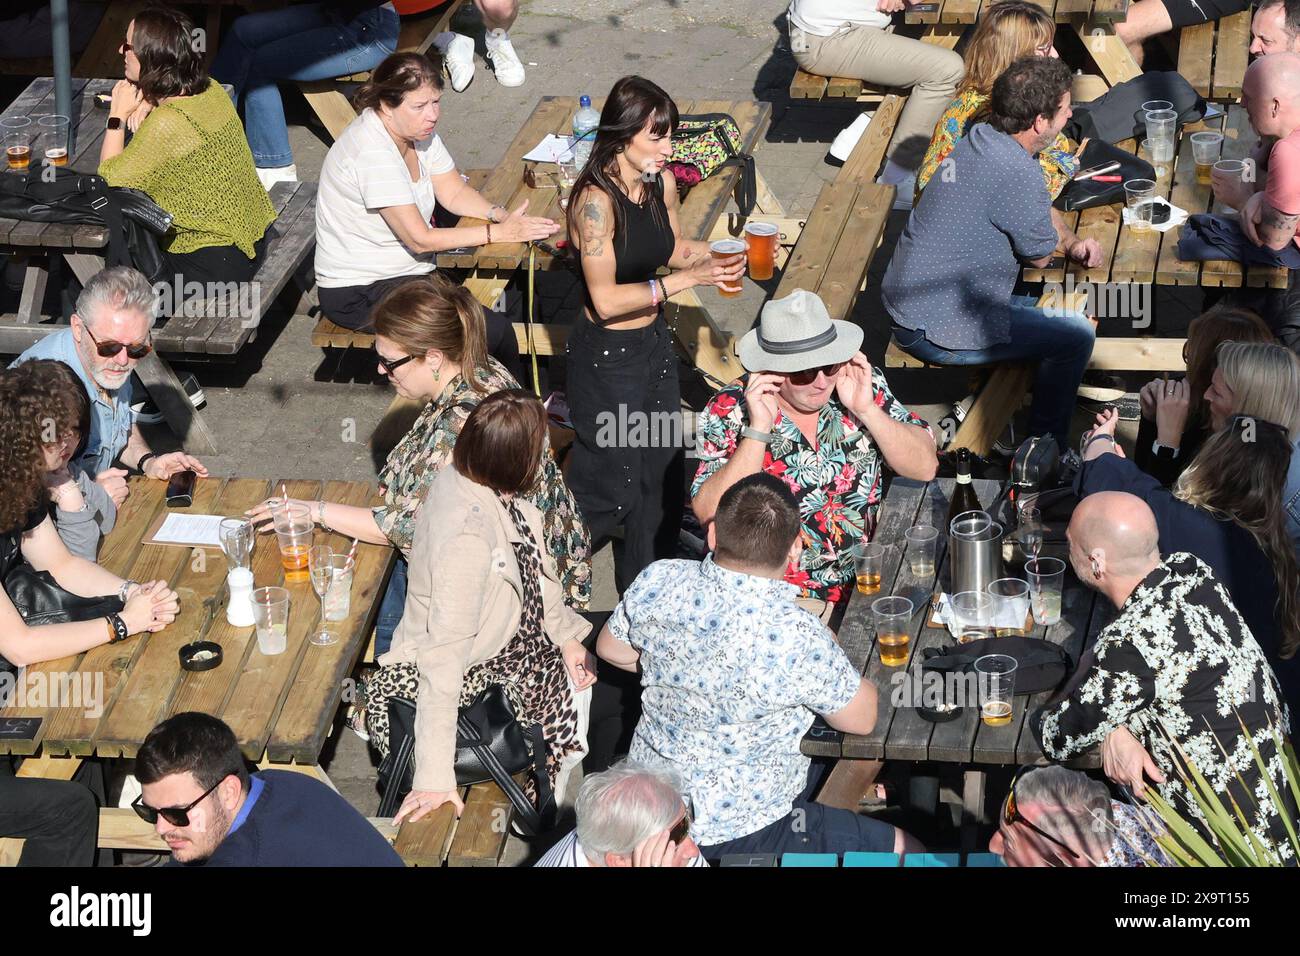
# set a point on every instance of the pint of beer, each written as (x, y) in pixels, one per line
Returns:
(725, 249)
(54, 132)
(19, 157)
(18, 133)
(761, 238)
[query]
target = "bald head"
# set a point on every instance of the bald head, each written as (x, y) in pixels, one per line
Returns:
(1121, 527)
(1271, 94)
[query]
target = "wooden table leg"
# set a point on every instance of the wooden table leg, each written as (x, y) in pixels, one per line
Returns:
(766, 202)
(310, 769)
(848, 783)
(169, 395)
(1112, 56)
(35, 280)
(46, 767)
(702, 342)
(972, 816)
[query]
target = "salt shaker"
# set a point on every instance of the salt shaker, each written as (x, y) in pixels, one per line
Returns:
(239, 610)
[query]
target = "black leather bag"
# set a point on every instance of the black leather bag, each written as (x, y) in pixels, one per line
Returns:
(133, 220)
(39, 599)
(491, 744)
(1089, 192)
(1041, 665)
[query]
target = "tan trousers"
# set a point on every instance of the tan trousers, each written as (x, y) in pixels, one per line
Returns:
(885, 59)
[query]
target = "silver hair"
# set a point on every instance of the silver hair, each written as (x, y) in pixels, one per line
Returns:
(621, 806)
(1079, 811)
(119, 288)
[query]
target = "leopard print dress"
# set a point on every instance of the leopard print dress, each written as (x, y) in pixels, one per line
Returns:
(529, 668)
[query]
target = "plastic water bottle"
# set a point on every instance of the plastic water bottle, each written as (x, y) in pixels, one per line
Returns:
(585, 122)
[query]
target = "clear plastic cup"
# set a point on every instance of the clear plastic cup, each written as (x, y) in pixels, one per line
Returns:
(973, 614)
(1046, 577)
(922, 542)
(18, 135)
(54, 136)
(236, 537)
(1233, 169)
(293, 530)
(271, 618)
(1139, 196)
(338, 599)
(868, 566)
(893, 619)
(725, 249)
(1010, 606)
(1162, 130)
(996, 676)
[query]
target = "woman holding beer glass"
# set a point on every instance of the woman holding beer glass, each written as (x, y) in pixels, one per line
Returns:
(430, 342)
(189, 154)
(624, 226)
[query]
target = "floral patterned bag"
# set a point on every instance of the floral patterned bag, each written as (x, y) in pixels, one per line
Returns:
(706, 143)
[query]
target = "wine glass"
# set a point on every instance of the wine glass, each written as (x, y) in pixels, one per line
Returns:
(1031, 531)
(320, 564)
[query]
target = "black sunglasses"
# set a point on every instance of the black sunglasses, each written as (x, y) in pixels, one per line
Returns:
(176, 816)
(109, 349)
(390, 367)
(809, 375)
(681, 829)
(1011, 814)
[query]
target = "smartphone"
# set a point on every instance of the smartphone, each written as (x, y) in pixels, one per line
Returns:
(180, 489)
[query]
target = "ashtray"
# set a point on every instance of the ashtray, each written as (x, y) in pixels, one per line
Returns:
(941, 714)
(200, 656)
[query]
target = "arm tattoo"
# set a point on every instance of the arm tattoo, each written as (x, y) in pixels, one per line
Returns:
(1275, 221)
(593, 230)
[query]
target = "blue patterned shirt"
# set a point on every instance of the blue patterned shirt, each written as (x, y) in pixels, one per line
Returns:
(732, 672)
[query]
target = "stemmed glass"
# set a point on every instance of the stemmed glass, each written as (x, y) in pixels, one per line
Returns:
(1031, 531)
(320, 564)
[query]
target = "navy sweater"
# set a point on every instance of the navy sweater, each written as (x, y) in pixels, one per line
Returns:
(299, 821)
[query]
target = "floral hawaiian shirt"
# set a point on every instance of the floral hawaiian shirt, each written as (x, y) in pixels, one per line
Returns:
(427, 448)
(1058, 160)
(732, 671)
(1179, 668)
(837, 484)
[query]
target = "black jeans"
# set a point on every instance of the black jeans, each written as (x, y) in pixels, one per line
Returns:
(58, 819)
(218, 264)
(626, 467)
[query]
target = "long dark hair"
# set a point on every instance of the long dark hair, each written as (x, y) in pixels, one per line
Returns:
(633, 102)
(169, 63)
(24, 412)
(391, 80)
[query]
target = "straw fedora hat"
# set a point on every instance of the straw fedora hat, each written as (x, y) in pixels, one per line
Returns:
(797, 333)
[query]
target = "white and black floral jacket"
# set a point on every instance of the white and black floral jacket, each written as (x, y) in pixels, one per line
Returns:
(1179, 664)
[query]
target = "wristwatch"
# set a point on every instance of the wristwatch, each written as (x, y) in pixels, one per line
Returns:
(114, 122)
(126, 586)
(754, 433)
(1163, 451)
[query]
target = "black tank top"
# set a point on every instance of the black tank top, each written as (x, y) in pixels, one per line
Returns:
(646, 242)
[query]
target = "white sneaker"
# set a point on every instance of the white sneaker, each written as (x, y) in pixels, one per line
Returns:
(848, 137)
(458, 53)
(270, 175)
(506, 62)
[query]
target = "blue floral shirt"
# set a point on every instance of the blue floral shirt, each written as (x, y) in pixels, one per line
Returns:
(732, 671)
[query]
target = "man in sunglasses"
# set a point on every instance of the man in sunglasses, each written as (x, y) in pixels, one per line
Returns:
(1177, 673)
(628, 815)
(108, 336)
(814, 413)
(1054, 816)
(201, 799)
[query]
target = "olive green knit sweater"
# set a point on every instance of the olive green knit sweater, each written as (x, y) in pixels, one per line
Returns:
(190, 156)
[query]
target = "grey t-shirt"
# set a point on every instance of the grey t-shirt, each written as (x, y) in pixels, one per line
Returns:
(955, 267)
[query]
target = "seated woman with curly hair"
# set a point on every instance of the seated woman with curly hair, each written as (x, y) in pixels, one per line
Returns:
(27, 535)
(188, 154)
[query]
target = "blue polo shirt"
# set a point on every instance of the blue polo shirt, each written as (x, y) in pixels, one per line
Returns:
(110, 422)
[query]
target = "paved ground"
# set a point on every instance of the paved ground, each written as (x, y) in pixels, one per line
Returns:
(283, 410)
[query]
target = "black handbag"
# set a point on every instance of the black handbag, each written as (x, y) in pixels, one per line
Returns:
(1041, 666)
(133, 220)
(491, 744)
(39, 600)
(1089, 192)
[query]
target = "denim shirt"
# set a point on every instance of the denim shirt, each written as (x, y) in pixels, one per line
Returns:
(110, 422)
(1291, 498)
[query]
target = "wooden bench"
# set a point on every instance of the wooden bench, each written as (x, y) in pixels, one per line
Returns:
(1213, 56)
(416, 36)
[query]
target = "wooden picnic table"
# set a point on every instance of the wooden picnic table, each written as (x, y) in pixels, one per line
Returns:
(216, 328)
(901, 733)
(281, 708)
